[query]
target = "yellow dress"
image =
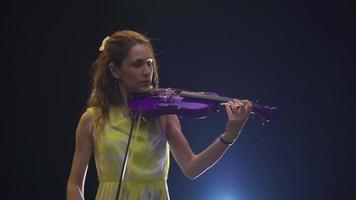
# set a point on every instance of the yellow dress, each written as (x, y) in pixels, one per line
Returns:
(146, 173)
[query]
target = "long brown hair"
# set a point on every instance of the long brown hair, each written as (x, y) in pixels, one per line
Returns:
(105, 89)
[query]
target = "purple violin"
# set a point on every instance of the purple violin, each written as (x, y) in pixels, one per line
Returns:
(190, 104)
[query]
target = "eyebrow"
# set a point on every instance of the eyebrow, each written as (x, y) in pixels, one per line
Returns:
(141, 60)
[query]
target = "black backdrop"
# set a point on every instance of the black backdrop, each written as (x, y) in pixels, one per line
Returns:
(297, 55)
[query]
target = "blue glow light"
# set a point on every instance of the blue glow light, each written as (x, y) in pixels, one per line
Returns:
(221, 195)
(226, 192)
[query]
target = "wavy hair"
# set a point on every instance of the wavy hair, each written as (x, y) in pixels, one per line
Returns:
(105, 89)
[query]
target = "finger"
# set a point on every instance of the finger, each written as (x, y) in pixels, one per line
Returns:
(228, 110)
(245, 101)
(233, 106)
(240, 104)
(248, 105)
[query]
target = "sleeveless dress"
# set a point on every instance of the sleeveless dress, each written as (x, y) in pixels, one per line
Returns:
(147, 167)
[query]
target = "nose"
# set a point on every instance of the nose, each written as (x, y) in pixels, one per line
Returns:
(146, 71)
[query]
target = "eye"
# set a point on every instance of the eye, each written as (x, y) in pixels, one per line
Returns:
(141, 62)
(137, 63)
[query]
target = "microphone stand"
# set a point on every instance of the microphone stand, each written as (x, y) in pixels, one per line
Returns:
(124, 164)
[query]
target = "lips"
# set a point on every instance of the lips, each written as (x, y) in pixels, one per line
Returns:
(147, 82)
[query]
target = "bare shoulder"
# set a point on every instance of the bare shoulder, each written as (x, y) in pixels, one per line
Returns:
(86, 117)
(85, 123)
(172, 120)
(170, 123)
(168, 119)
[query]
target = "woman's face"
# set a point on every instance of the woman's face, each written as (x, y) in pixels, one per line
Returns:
(136, 70)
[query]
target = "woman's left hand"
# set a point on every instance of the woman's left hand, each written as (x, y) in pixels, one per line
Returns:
(238, 112)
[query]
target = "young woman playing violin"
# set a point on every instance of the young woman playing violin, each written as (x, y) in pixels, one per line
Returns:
(126, 67)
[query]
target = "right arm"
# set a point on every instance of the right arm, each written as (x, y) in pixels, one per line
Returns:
(82, 154)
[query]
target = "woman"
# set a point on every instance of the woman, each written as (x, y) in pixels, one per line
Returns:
(125, 67)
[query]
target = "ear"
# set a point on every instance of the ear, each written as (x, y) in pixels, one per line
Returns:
(114, 70)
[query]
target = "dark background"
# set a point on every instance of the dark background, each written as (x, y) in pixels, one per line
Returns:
(296, 55)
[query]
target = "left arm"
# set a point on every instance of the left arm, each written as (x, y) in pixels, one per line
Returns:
(193, 165)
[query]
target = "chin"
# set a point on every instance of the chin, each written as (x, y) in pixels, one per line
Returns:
(150, 88)
(145, 89)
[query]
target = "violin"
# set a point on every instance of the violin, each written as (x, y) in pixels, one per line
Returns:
(188, 104)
